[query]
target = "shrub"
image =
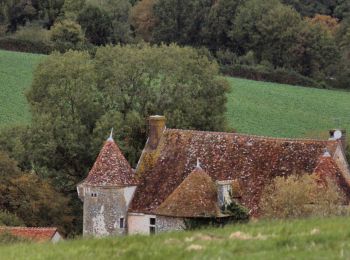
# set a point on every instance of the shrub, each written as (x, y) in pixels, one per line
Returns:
(12, 44)
(8, 219)
(263, 72)
(7, 238)
(32, 33)
(67, 34)
(300, 196)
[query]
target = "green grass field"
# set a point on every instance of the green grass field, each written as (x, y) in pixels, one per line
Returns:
(297, 239)
(16, 70)
(285, 111)
(253, 107)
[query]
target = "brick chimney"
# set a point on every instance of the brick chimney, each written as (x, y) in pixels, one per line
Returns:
(156, 128)
(342, 139)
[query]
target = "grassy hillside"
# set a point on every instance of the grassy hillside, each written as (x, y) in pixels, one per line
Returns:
(285, 111)
(299, 239)
(253, 107)
(16, 70)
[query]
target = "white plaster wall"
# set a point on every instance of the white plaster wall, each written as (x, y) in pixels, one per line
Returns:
(139, 223)
(128, 194)
(56, 238)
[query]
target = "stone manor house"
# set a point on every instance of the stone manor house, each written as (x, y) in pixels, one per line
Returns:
(185, 174)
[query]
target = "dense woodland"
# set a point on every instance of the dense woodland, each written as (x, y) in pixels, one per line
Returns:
(291, 41)
(119, 61)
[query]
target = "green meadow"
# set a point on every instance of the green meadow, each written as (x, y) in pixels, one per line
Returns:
(278, 110)
(16, 72)
(295, 239)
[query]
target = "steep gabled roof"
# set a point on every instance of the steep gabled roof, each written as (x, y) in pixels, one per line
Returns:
(250, 160)
(196, 196)
(328, 169)
(111, 168)
(35, 234)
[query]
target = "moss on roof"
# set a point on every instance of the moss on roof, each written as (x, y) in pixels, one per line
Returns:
(251, 160)
(196, 196)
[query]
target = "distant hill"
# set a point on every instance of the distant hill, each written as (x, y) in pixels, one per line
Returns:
(254, 107)
(16, 71)
(293, 239)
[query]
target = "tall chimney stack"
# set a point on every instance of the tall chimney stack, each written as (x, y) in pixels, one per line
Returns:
(342, 138)
(156, 128)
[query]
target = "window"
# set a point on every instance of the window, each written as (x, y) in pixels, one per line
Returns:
(94, 195)
(152, 225)
(121, 223)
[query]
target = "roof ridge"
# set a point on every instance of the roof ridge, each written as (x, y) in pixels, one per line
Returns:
(30, 228)
(251, 135)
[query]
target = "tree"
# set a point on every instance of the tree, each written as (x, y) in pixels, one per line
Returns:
(180, 21)
(142, 19)
(97, 25)
(71, 8)
(268, 28)
(328, 23)
(219, 23)
(33, 200)
(67, 34)
(312, 7)
(315, 52)
(301, 196)
(119, 11)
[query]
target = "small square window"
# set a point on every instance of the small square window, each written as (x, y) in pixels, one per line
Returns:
(121, 223)
(152, 230)
(152, 221)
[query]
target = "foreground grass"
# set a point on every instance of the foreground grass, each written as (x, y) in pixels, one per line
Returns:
(299, 239)
(278, 110)
(16, 71)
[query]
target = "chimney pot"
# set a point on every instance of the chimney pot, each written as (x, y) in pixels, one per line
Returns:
(342, 139)
(156, 128)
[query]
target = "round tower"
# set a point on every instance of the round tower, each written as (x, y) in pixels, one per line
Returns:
(107, 192)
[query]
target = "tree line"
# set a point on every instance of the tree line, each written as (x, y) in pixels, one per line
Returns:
(308, 38)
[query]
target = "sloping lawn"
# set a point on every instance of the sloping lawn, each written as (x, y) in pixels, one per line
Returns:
(285, 111)
(16, 70)
(298, 239)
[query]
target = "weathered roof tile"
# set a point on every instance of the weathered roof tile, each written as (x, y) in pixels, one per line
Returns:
(111, 168)
(251, 160)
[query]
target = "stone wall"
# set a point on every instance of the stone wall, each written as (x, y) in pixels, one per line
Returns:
(164, 224)
(103, 209)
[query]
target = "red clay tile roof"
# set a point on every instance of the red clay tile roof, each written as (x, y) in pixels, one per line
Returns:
(36, 234)
(252, 161)
(327, 168)
(111, 168)
(196, 196)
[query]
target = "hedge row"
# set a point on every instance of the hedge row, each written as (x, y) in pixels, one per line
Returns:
(11, 44)
(282, 76)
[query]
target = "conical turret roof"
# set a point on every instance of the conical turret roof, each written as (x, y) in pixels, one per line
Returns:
(196, 196)
(111, 168)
